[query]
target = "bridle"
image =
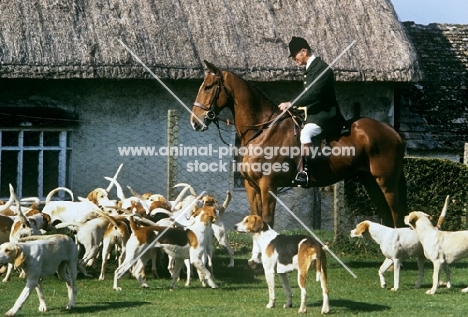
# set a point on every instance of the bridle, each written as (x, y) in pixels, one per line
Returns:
(210, 115)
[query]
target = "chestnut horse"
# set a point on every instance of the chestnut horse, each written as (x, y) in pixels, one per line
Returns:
(378, 148)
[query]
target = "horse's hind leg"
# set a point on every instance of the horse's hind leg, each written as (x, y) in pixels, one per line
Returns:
(402, 200)
(379, 198)
(391, 188)
(388, 192)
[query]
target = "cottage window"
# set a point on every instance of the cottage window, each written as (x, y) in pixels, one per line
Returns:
(34, 161)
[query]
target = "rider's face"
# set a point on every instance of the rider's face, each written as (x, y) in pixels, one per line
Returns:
(301, 57)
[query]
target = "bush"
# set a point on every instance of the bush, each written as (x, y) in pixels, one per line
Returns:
(429, 181)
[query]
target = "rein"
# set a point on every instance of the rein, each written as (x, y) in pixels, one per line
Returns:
(261, 126)
(211, 116)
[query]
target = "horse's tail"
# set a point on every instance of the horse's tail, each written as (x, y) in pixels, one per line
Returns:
(402, 194)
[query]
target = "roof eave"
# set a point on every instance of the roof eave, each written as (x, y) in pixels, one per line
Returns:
(177, 73)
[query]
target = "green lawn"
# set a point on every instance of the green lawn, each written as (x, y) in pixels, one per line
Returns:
(244, 293)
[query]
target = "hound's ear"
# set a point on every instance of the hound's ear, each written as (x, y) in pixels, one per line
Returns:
(19, 257)
(412, 221)
(212, 68)
(92, 197)
(259, 224)
(362, 227)
(46, 218)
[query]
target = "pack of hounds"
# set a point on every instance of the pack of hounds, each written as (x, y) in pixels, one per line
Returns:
(138, 226)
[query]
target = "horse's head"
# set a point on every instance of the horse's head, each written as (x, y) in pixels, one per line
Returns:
(212, 97)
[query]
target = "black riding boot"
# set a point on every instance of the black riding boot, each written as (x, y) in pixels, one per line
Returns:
(302, 177)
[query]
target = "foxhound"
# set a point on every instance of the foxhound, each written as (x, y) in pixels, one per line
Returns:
(117, 233)
(179, 243)
(90, 235)
(219, 230)
(441, 247)
(71, 211)
(144, 204)
(5, 228)
(396, 245)
(5, 209)
(39, 257)
(24, 226)
(282, 254)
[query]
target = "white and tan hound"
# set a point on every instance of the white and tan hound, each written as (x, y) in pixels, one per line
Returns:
(282, 254)
(396, 245)
(441, 247)
(180, 243)
(39, 257)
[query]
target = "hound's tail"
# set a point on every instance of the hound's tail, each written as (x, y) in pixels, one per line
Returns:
(133, 225)
(443, 213)
(54, 191)
(320, 265)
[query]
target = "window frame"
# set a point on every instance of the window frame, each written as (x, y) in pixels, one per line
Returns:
(64, 149)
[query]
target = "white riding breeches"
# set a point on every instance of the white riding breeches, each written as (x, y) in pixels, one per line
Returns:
(309, 131)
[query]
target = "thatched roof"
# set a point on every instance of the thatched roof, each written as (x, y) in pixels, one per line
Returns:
(435, 110)
(79, 38)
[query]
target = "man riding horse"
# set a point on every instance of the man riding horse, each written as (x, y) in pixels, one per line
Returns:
(323, 112)
(377, 156)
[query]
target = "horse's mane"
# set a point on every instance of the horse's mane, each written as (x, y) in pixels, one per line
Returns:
(258, 92)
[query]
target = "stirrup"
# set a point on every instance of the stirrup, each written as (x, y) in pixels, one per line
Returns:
(302, 179)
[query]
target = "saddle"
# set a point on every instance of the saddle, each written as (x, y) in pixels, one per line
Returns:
(338, 128)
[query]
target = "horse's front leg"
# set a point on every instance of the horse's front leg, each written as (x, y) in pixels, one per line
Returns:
(253, 195)
(268, 203)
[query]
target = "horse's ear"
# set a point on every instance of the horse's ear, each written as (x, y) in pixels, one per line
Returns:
(212, 68)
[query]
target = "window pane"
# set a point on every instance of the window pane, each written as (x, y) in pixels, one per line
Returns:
(68, 171)
(30, 173)
(33, 176)
(31, 138)
(51, 138)
(9, 166)
(10, 138)
(51, 163)
(69, 141)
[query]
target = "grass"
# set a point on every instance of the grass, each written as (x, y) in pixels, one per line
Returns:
(244, 293)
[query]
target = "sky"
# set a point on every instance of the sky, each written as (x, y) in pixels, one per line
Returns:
(432, 11)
